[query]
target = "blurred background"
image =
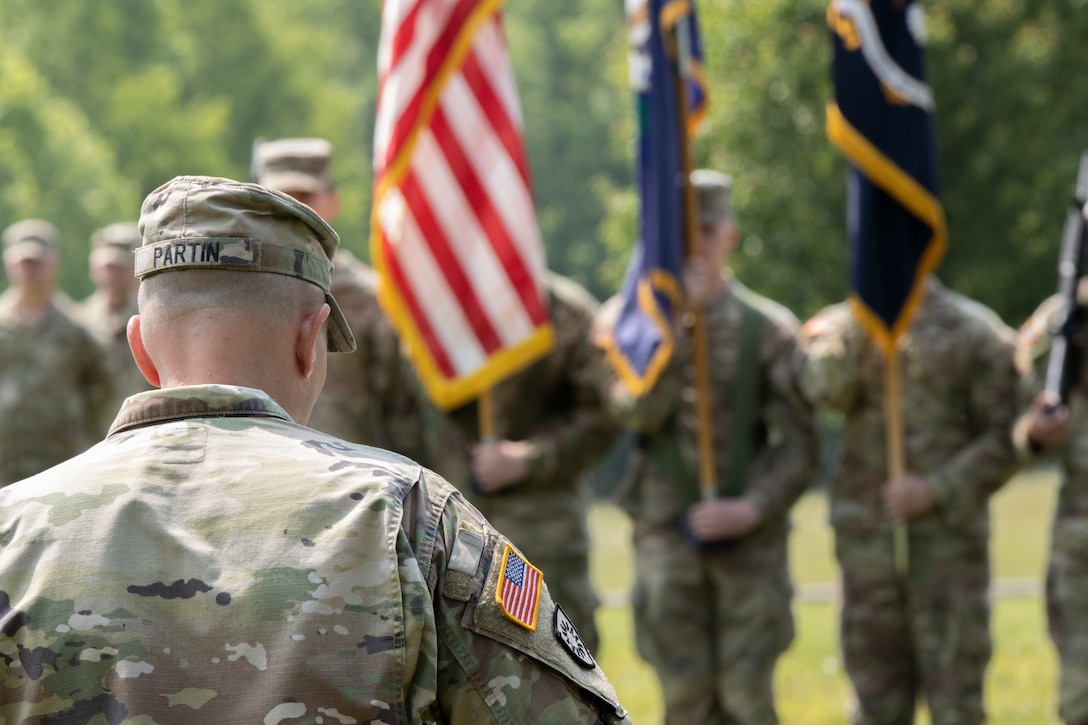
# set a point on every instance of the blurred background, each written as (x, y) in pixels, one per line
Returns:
(102, 102)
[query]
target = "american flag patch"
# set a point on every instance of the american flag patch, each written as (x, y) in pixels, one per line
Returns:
(518, 593)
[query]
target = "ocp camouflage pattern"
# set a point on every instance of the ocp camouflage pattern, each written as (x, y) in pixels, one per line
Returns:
(213, 561)
(713, 620)
(1067, 571)
(55, 390)
(925, 632)
(959, 398)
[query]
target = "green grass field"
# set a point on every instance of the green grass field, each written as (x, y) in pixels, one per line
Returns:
(812, 688)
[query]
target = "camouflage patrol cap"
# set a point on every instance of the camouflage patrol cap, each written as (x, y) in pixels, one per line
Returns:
(115, 244)
(30, 239)
(713, 190)
(294, 164)
(202, 222)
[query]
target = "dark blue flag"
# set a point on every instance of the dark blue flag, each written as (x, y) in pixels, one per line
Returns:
(882, 122)
(640, 342)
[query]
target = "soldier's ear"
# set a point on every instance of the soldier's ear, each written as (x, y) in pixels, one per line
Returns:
(139, 352)
(311, 333)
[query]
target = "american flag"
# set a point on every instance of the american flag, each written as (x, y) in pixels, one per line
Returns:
(454, 234)
(518, 592)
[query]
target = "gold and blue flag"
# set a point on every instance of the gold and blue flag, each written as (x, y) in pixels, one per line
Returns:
(882, 121)
(665, 55)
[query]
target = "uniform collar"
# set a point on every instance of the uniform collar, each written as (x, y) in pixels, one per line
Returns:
(195, 401)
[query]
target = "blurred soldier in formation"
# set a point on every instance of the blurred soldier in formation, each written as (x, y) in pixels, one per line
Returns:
(54, 380)
(1045, 427)
(712, 596)
(924, 631)
(370, 397)
(549, 428)
(107, 311)
(214, 560)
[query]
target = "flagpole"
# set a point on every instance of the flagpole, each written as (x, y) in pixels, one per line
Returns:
(486, 414)
(708, 484)
(893, 422)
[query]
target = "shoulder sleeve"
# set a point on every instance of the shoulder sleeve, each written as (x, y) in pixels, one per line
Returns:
(827, 359)
(506, 652)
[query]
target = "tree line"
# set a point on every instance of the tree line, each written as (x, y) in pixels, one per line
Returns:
(102, 102)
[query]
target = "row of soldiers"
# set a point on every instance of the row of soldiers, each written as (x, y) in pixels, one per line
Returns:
(712, 592)
(712, 595)
(66, 365)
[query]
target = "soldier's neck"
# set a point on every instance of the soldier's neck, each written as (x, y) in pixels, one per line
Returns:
(33, 305)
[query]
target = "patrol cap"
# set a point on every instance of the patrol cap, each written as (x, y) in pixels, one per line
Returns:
(115, 244)
(202, 222)
(294, 164)
(713, 190)
(30, 239)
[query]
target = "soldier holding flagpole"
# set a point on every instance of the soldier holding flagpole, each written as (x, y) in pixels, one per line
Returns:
(703, 376)
(925, 382)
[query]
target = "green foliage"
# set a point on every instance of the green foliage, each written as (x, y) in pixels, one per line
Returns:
(561, 51)
(123, 96)
(1010, 133)
(102, 102)
(1010, 136)
(54, 165)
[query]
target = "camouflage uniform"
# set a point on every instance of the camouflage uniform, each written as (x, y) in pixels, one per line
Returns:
(213, 561)
(372, 396)
(928, 631)
(108, 324)
(713, 619)
(1066, 591)
(54, 384)
(554, 405)
(54, 391)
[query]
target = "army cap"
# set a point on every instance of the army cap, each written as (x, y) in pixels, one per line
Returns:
(30, 239)
(713, 190)
(294, 164)
(115, 244)
(203, 222)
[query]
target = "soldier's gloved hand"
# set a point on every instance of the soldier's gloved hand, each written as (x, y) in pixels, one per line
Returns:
(908, 497)
(722, 519)
(1046, 422)
(500, 464)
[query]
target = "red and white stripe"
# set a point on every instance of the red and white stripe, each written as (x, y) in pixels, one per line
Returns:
(520, 601)
(455, 236)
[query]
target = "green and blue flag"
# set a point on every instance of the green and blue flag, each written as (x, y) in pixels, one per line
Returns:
(665, 52)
